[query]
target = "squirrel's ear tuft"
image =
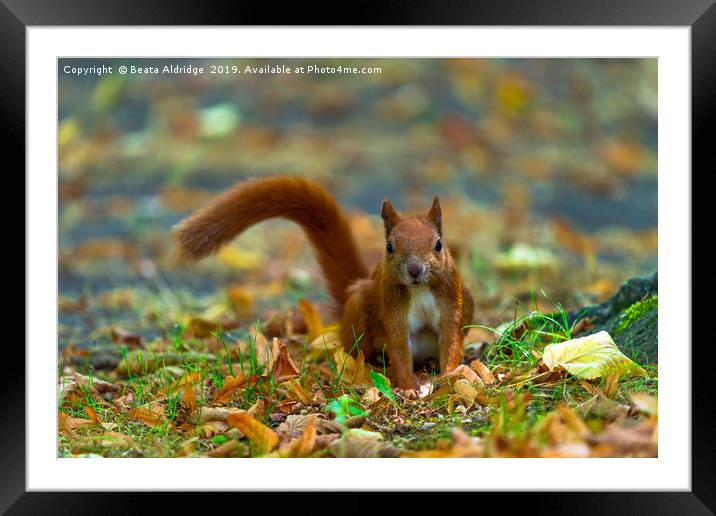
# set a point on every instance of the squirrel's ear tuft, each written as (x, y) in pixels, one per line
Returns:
(435, 215)
(390, 216)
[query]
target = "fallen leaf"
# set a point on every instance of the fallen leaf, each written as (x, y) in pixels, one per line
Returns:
(362, 444)
(465, 372)
(484, 373)
(581, 326)
(132, 340)
(189, 379)
(283, 368)
(303, 446)
(289, 406)
(113, 439)
(467, 392)
(296, 423)
(68, 424)
(645, 403)
(189, 398)
(231, 384)
(371, 396)
(91, 413)
(573, 421)
(296, 392)
(151, 415)
(258, 409)
(205, 414)
(211, 428)
(611, 385)
(262, 437)
(312, 319)
(124, 403)
(589, 357)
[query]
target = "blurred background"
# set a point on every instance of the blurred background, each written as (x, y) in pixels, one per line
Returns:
(547, 171)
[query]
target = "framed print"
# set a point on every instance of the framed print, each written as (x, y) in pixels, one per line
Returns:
(463, 244)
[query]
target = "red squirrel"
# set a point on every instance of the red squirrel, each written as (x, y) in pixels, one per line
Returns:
(412, 306)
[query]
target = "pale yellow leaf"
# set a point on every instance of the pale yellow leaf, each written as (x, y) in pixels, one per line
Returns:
(589, 357)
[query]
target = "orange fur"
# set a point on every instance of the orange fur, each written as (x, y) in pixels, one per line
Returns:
(413, 298)
(303, 202)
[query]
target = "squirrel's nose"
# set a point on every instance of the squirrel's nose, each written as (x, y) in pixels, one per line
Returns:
(414, 270)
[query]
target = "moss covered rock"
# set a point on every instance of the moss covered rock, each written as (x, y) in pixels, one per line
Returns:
(630, 316)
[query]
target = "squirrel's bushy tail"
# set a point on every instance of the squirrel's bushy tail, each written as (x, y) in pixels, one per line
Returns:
(299, 200)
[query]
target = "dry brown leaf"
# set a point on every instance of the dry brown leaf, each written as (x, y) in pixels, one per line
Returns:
(371, 396)
(581, 326)
(289, 407)
(91, 414)
(466, 391)
(98, 385)
(257, 410)
(283, 368)
(206, 414)
(186, 450)
(211, 428)
(112, 439)
(188, 398)
(262, 437)
(124, 403)
(191, 379)
(353, 371)
(231, 384)
(303, 446)
(462, 371)
(592, 389)
(361, 376)
(151, 415)
(68, 424)
(635, 441)
(362, 444)
(296, 392)
(67, 392)
(132, 340)
(573, 421)
(186, 427)
(482, 370)
(611, 385)
(297, 423)
(312, 319)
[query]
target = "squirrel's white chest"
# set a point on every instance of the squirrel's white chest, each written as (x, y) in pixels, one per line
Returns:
(423, 324)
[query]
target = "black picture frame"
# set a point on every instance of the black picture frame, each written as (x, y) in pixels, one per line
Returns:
(17, 15)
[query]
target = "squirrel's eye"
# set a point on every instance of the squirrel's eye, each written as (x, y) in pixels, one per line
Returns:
(389, 248)
(438, 246)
